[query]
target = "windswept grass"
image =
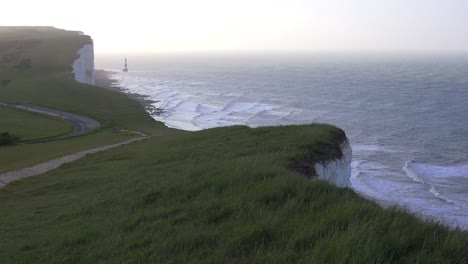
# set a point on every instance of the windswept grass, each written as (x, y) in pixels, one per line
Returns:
(221, 195)
(225, 195)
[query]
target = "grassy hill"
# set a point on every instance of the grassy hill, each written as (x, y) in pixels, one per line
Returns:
(49, 82)
(218, 195)
(30, 126)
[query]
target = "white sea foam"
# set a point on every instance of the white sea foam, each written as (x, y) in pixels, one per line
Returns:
(414, 176)
(417, 178)
(436, 192)
(373, 148)
(194, 110)
(355, 172)
(440, 178)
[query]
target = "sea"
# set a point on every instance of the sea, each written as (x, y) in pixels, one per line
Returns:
(406, 114)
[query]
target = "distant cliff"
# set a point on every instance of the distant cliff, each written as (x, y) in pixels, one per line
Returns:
(83, 67)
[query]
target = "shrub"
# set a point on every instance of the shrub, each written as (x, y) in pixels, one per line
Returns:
(8, 139)
(4, 82)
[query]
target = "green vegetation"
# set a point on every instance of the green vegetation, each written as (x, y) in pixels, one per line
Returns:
(221, 195)
(29, 126)
(49, 83)
(25, 155)
(8, 139)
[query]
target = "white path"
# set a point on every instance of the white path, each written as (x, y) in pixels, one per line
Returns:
(44, 167)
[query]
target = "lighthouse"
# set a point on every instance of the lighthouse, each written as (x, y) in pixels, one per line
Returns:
(126, 68)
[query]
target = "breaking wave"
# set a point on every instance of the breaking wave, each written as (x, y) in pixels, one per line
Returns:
(190, 110)
(438, 177)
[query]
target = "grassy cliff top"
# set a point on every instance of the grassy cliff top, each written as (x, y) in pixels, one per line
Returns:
(38, 48)
(220, 195)
(23, 33)
(36, 69)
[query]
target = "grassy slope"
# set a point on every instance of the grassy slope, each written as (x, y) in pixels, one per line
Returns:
(220, 195)
(26, 155)
(50, 83)
(30, 126)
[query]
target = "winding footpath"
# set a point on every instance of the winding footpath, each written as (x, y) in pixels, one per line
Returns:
(82, 125)
(44, 167)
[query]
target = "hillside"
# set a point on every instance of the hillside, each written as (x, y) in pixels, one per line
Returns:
(232, 194)
(48, 82)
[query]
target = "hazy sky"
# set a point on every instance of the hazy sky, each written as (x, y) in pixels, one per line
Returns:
(217, 25)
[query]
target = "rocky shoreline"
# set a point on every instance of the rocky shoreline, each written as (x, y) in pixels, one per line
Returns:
(104, 80)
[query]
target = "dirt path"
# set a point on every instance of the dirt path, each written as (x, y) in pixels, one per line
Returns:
(81, 124)
(44, 167)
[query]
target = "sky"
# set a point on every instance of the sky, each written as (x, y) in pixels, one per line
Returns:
(155, 26)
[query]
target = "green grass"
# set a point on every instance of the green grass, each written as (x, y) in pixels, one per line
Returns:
(49, 83)
(221, 195)
(26, 155)
(29, 126)
(13, 33)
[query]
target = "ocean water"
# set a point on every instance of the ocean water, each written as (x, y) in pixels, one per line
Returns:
(406, 114)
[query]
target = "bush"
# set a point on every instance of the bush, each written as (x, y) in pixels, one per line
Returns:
(4, 82)
(8, 139)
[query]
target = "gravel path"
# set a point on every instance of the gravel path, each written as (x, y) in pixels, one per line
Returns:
(81, 124)
(44, 167)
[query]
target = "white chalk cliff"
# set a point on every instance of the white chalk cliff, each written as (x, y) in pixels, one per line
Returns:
(337, 171)
(83, 67)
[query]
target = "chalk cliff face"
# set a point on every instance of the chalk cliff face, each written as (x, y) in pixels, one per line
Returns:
(337, 171)
(83, 67)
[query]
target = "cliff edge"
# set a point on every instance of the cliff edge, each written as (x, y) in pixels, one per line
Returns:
(337, 171)
(328, 158)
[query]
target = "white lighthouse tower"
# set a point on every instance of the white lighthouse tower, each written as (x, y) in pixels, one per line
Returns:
(126, 68)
